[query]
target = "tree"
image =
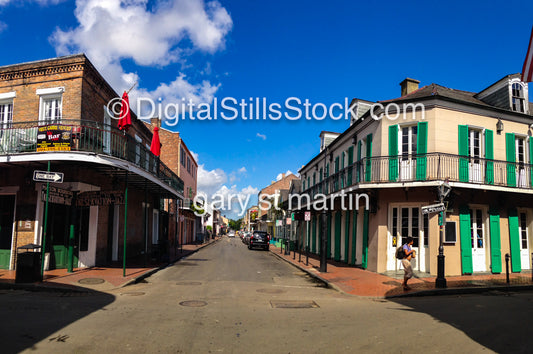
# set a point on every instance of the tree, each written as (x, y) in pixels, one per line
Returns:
(235, 224)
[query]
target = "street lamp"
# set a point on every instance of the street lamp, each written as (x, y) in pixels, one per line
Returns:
(444, 190)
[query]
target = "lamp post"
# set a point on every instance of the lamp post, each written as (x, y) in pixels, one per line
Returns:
(444, 190)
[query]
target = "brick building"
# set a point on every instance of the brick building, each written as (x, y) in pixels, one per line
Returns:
(177, 156)
(270, 198)
(54, 116)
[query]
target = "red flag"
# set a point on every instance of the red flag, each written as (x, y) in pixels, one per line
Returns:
(124, 121)
(155, 147)
(527, 69)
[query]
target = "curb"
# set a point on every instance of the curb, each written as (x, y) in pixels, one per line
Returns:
(462, 291)
(155, 270)
(313, 274)
(39, 287)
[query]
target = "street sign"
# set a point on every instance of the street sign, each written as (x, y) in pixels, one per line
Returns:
(434, 208)
(44, 176)
(57, 195)
(307, 216)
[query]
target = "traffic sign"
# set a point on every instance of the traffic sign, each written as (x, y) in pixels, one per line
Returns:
(44, 176)
(307, 216)
(434, 208)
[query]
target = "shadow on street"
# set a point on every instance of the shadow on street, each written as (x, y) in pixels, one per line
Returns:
(29, 317)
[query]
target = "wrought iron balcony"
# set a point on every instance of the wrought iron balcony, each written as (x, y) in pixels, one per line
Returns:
(83, 136)
(427, 167)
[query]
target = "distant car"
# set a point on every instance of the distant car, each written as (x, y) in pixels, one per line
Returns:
(259, 239)
(246, 238)
(231, 234)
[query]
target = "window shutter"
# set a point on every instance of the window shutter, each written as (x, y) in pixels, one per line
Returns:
(489, 155)
(313, 242)
(514, 241)
(368, 167)
(359, 167)
(393, 153)
(347, 236)
(328, 236)
(350, 163)
(463, 151)
(338, 220)
(531, 160)
(354, 237)
(421, 150)
(511, 169)
(364, 261)
(466, 242)
(495, 243)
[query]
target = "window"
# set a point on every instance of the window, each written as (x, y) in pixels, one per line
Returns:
(51, 104)
(6, 114)
(451, 232)
(188, 164)
(408, 138)
(476, 228)
(523, 231)
(474, 144)
(182, 156)
(517, 98)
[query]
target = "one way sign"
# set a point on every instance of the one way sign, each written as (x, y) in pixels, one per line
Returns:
(44, 176)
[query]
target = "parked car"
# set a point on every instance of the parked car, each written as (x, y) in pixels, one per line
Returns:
(259, 239)
(231, 234)
(246, 238)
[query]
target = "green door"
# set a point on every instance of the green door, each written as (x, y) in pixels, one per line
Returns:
(57, 235)
(7, 206)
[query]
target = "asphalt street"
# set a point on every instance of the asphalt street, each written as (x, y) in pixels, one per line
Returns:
(228, 299)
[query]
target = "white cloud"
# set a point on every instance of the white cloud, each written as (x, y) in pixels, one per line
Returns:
(242, 170)
(110, 31)
(3, 26)
(262, 136)
(209, 182)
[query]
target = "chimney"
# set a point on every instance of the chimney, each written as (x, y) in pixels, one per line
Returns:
(409, 85)
(156, 122)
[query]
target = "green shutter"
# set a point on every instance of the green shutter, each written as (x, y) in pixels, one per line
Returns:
(359, 167)
(338, 220)
(514, 241)
(364, 261)
(354, 237)
(495, 243)
(511, 154)
(368, 167)
(463, 151)
(313, 242)
(421, 151)
(328, 236)
(343, 157)
(350, 169)
(393, 153)
(466, 242)
(531, 160)
(489, 155)
(336, 178)
(347, 237)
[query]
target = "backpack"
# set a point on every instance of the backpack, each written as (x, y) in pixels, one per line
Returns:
(400, 253)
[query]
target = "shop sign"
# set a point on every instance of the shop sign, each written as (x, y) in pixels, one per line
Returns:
(100, 198)
(54, 138)
(57, 195)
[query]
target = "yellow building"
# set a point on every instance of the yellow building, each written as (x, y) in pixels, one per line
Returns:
(396, 154)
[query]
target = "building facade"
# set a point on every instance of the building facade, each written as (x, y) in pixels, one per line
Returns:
(54, 117)
(377, 176)
(177, 156)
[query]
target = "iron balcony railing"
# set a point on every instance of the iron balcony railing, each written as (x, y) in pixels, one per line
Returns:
(86, 136)
(427, 167)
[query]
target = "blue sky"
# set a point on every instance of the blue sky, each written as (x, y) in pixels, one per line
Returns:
(321, 51)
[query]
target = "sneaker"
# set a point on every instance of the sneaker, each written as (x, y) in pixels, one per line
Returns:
(406, 288)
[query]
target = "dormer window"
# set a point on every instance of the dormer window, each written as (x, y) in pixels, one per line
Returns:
(518, 98)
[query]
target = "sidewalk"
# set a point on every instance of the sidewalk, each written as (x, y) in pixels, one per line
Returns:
(356, 281)
(95, 278)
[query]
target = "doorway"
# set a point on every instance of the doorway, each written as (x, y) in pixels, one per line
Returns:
(7, 216)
